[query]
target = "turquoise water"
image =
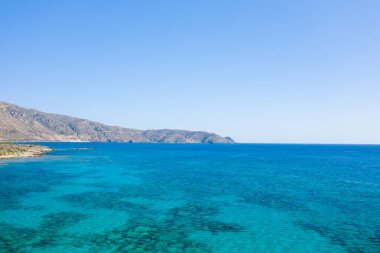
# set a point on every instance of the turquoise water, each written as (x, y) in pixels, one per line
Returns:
(192, 198)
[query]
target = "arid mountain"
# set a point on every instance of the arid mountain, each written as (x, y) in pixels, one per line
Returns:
(21, 124)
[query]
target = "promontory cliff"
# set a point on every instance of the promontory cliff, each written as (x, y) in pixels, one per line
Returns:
(22, 124)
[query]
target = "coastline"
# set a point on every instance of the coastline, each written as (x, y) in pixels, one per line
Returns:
(8, 150)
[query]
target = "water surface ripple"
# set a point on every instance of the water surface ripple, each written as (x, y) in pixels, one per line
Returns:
(192, 198)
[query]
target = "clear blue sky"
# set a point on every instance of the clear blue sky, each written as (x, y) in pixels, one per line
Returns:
(259, 71)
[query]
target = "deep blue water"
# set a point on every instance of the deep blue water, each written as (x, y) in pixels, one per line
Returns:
(192, 198)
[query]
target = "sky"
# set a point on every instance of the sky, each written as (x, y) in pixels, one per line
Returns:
(286, 71)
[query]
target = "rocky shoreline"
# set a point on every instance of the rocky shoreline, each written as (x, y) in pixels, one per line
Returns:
(8, 150)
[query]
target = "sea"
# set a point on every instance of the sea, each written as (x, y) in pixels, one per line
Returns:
(130, 197)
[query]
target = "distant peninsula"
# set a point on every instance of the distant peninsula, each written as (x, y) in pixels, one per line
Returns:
(8, 150)
(28, 125)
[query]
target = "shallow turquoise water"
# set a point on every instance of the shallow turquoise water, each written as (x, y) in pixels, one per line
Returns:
(192, 198)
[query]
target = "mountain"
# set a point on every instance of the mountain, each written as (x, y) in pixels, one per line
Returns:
(22, 124)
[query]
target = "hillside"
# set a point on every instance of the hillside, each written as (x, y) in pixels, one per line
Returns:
(22, 124)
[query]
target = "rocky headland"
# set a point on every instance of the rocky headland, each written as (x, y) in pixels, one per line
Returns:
(8, 150)
(28, 125)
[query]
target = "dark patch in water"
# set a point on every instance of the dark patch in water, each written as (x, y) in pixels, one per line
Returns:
(143, 233)
(272, 200)
(102, 199)
(376, 237)
(49, 233)
(337, 236)
(13, 238)
(16, 183)
(140, 234)
(61, 220)
(195, 217)
(147, 235)
(50, 229)
(172, 234)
